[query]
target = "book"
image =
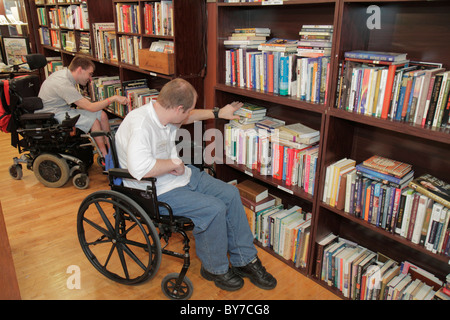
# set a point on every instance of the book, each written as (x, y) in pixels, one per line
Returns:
(433, 188)
(258, 206)
(298, 132)
(376, 55)
(252, 190)
(385, 176)
(394, 167)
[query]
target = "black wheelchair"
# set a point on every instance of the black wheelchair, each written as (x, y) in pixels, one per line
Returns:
(120, 231)
(54, 151)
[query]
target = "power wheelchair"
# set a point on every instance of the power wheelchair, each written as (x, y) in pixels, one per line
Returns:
(54, 151)
(120, 231)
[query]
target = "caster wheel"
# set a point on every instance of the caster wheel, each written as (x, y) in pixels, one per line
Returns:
(101, 162)
(52, 171)
(169, 287)
(16, 171)
(80, 181)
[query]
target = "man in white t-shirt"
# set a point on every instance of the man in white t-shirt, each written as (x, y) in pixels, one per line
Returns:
(145, 143)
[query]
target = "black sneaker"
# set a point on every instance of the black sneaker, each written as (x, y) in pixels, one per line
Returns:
(257, 274)
(228, 281)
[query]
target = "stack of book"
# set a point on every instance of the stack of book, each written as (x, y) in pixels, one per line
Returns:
(44, 36)
(85, 43)
(389, 86)
(138, 93)
(285, 231)
(279, 45)
(417, 210)
(127, 15)
(105, 41)
(250, 113)
(299, 133)
(68, 41)
(247, 38)
(315, 41)
(361, 274)
(158, 18)
(259, 147)
(277, 68)
(129, 49)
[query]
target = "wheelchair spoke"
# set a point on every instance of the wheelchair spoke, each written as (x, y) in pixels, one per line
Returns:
(123, 262)
(97, 227)
(109, 255)
(104, 218)
(133, 256)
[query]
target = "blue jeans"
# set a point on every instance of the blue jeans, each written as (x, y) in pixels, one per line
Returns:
(221, 226)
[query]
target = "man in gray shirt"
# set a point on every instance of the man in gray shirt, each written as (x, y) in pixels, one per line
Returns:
(59, 91)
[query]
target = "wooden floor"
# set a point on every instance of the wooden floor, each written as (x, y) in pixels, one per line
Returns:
(41, 224)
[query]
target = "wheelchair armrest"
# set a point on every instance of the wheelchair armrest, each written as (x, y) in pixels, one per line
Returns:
(123, 173)
(95, 134)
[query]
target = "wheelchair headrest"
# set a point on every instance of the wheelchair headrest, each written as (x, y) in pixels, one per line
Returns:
(27, 86)
(36, 60)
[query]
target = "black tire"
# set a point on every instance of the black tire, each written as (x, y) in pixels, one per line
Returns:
(118, 238)
(15, 171)
(51, 170)
(182, 292)
(81, 181)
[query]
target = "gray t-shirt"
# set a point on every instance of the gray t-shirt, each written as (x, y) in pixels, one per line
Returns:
(59, 91)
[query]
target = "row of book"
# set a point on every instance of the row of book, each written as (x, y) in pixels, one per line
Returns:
(105, 41)
(127, 16)
(137, 91)
(285, 231)
(288, 153)
(389, 86)
(68, 41)
(416, 209)
(361, 274)
(282, 66)
(158, 18)
(277, 72)
(129, 49)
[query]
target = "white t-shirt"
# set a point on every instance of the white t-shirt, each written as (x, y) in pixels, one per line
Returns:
(140, 140)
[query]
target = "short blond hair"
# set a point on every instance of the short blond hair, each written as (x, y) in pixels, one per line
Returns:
(177, 92)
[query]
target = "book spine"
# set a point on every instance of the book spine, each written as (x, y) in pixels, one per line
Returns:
(377, 174)
(429, 194)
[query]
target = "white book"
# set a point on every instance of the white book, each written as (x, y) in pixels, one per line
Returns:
(421, 212)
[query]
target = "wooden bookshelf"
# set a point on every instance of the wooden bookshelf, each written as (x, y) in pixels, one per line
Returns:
(415, 27)
(189, 42)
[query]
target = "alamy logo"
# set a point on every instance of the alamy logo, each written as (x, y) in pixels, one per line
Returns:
(374, 21)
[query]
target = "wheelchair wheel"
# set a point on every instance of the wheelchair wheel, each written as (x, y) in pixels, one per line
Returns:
(15, 171)
(52, 171)
(80, 181)
(118, 238)
(169, 287)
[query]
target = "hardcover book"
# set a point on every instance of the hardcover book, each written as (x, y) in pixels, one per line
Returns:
(375, 55)
(433, 188)
(394, 167)
(252, 190)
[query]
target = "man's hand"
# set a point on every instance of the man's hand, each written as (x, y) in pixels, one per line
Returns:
(120, 99)
(179, 168)
(228, 111)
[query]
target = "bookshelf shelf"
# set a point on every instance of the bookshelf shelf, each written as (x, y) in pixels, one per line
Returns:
(189, 43)
(346, 134)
